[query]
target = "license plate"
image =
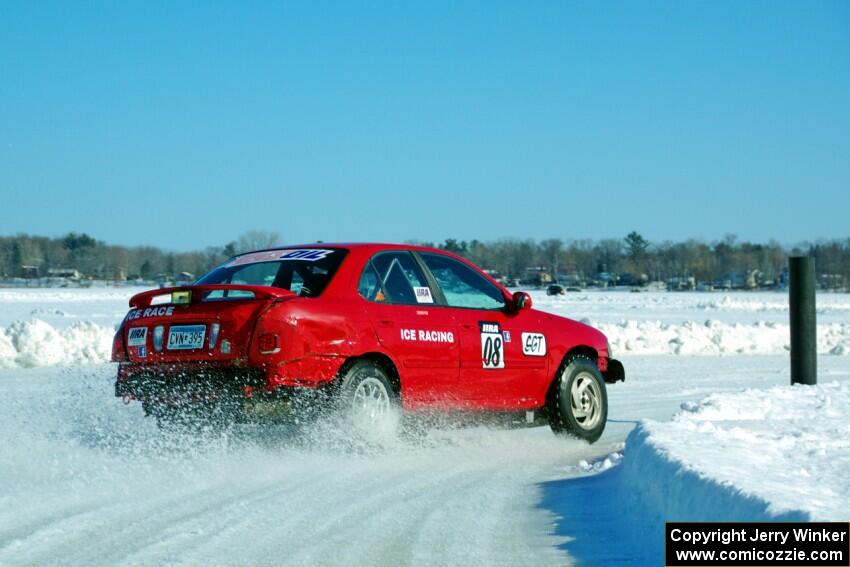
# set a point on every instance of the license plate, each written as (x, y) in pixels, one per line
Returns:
(186, 337)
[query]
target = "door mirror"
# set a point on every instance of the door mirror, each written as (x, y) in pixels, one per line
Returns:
(520, 300)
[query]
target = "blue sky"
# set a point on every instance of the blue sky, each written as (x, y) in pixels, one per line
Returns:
(185, 124)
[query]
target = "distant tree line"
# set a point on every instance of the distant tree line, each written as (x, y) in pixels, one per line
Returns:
(632, 260)
(24, 255)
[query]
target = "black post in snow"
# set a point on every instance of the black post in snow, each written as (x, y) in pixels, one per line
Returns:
(801, 296)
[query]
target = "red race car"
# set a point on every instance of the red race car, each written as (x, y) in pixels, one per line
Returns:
(368, 327)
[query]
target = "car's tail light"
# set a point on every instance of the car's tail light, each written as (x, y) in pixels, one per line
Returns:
(214, 329)
(119, 350)
(158, 334)
(267, 343)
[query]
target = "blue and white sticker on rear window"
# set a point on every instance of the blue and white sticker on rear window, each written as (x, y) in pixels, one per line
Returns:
(304, 254)
(311, 254)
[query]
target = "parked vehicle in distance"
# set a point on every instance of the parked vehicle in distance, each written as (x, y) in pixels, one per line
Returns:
(367, 328)
(556, 289)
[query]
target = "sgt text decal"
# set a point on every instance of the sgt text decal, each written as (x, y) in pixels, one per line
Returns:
(533, 344)
(164, 311)
(425, 336)
(492, 345)
(136, 336)
(423, 295)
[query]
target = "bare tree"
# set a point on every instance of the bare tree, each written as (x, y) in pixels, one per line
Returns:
(551, 250)
(256, 240)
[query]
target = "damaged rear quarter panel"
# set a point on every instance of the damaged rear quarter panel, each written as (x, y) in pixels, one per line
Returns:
(316, 336)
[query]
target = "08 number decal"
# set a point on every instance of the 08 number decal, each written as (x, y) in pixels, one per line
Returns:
(492, 345)
(491, 354)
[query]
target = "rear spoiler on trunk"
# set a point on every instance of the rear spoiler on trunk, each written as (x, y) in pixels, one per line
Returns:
(196, 294)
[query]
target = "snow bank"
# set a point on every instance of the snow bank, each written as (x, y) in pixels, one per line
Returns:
(787, 446)
(715, 338)
(758, 455)
(659, 487)
(36, 343)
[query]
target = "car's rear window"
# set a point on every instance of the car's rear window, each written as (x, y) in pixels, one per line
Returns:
(305, 271)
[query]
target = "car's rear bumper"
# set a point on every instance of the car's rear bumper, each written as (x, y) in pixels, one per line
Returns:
(137, 381)
(614, 372)
(151, 381)
(244, 392)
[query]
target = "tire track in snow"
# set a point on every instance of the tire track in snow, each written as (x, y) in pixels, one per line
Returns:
(121, 524)
(92, 482)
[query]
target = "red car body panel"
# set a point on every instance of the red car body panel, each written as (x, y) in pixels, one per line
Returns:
(436, 350)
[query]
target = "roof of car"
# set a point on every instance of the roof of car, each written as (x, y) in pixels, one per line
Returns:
(367, 248)
(362, 245)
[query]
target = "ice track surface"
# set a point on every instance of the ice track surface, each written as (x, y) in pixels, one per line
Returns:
(86, 480)
(89, 481)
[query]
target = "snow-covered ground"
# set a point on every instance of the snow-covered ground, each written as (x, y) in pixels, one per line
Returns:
(87, 480)
(681, 307)
(61, 307)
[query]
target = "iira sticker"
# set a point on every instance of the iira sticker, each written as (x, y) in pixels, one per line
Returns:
(137, 336)
(423, 295)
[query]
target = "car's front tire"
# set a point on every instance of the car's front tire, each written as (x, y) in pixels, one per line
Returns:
(369, 402)
(578, 402)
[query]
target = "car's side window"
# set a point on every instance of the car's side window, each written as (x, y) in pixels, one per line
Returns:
(297, 283)
(462, 286)
(370, 286)
(394, 277)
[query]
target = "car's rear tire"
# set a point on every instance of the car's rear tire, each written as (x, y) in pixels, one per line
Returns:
(368, 402)
(578, 402)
